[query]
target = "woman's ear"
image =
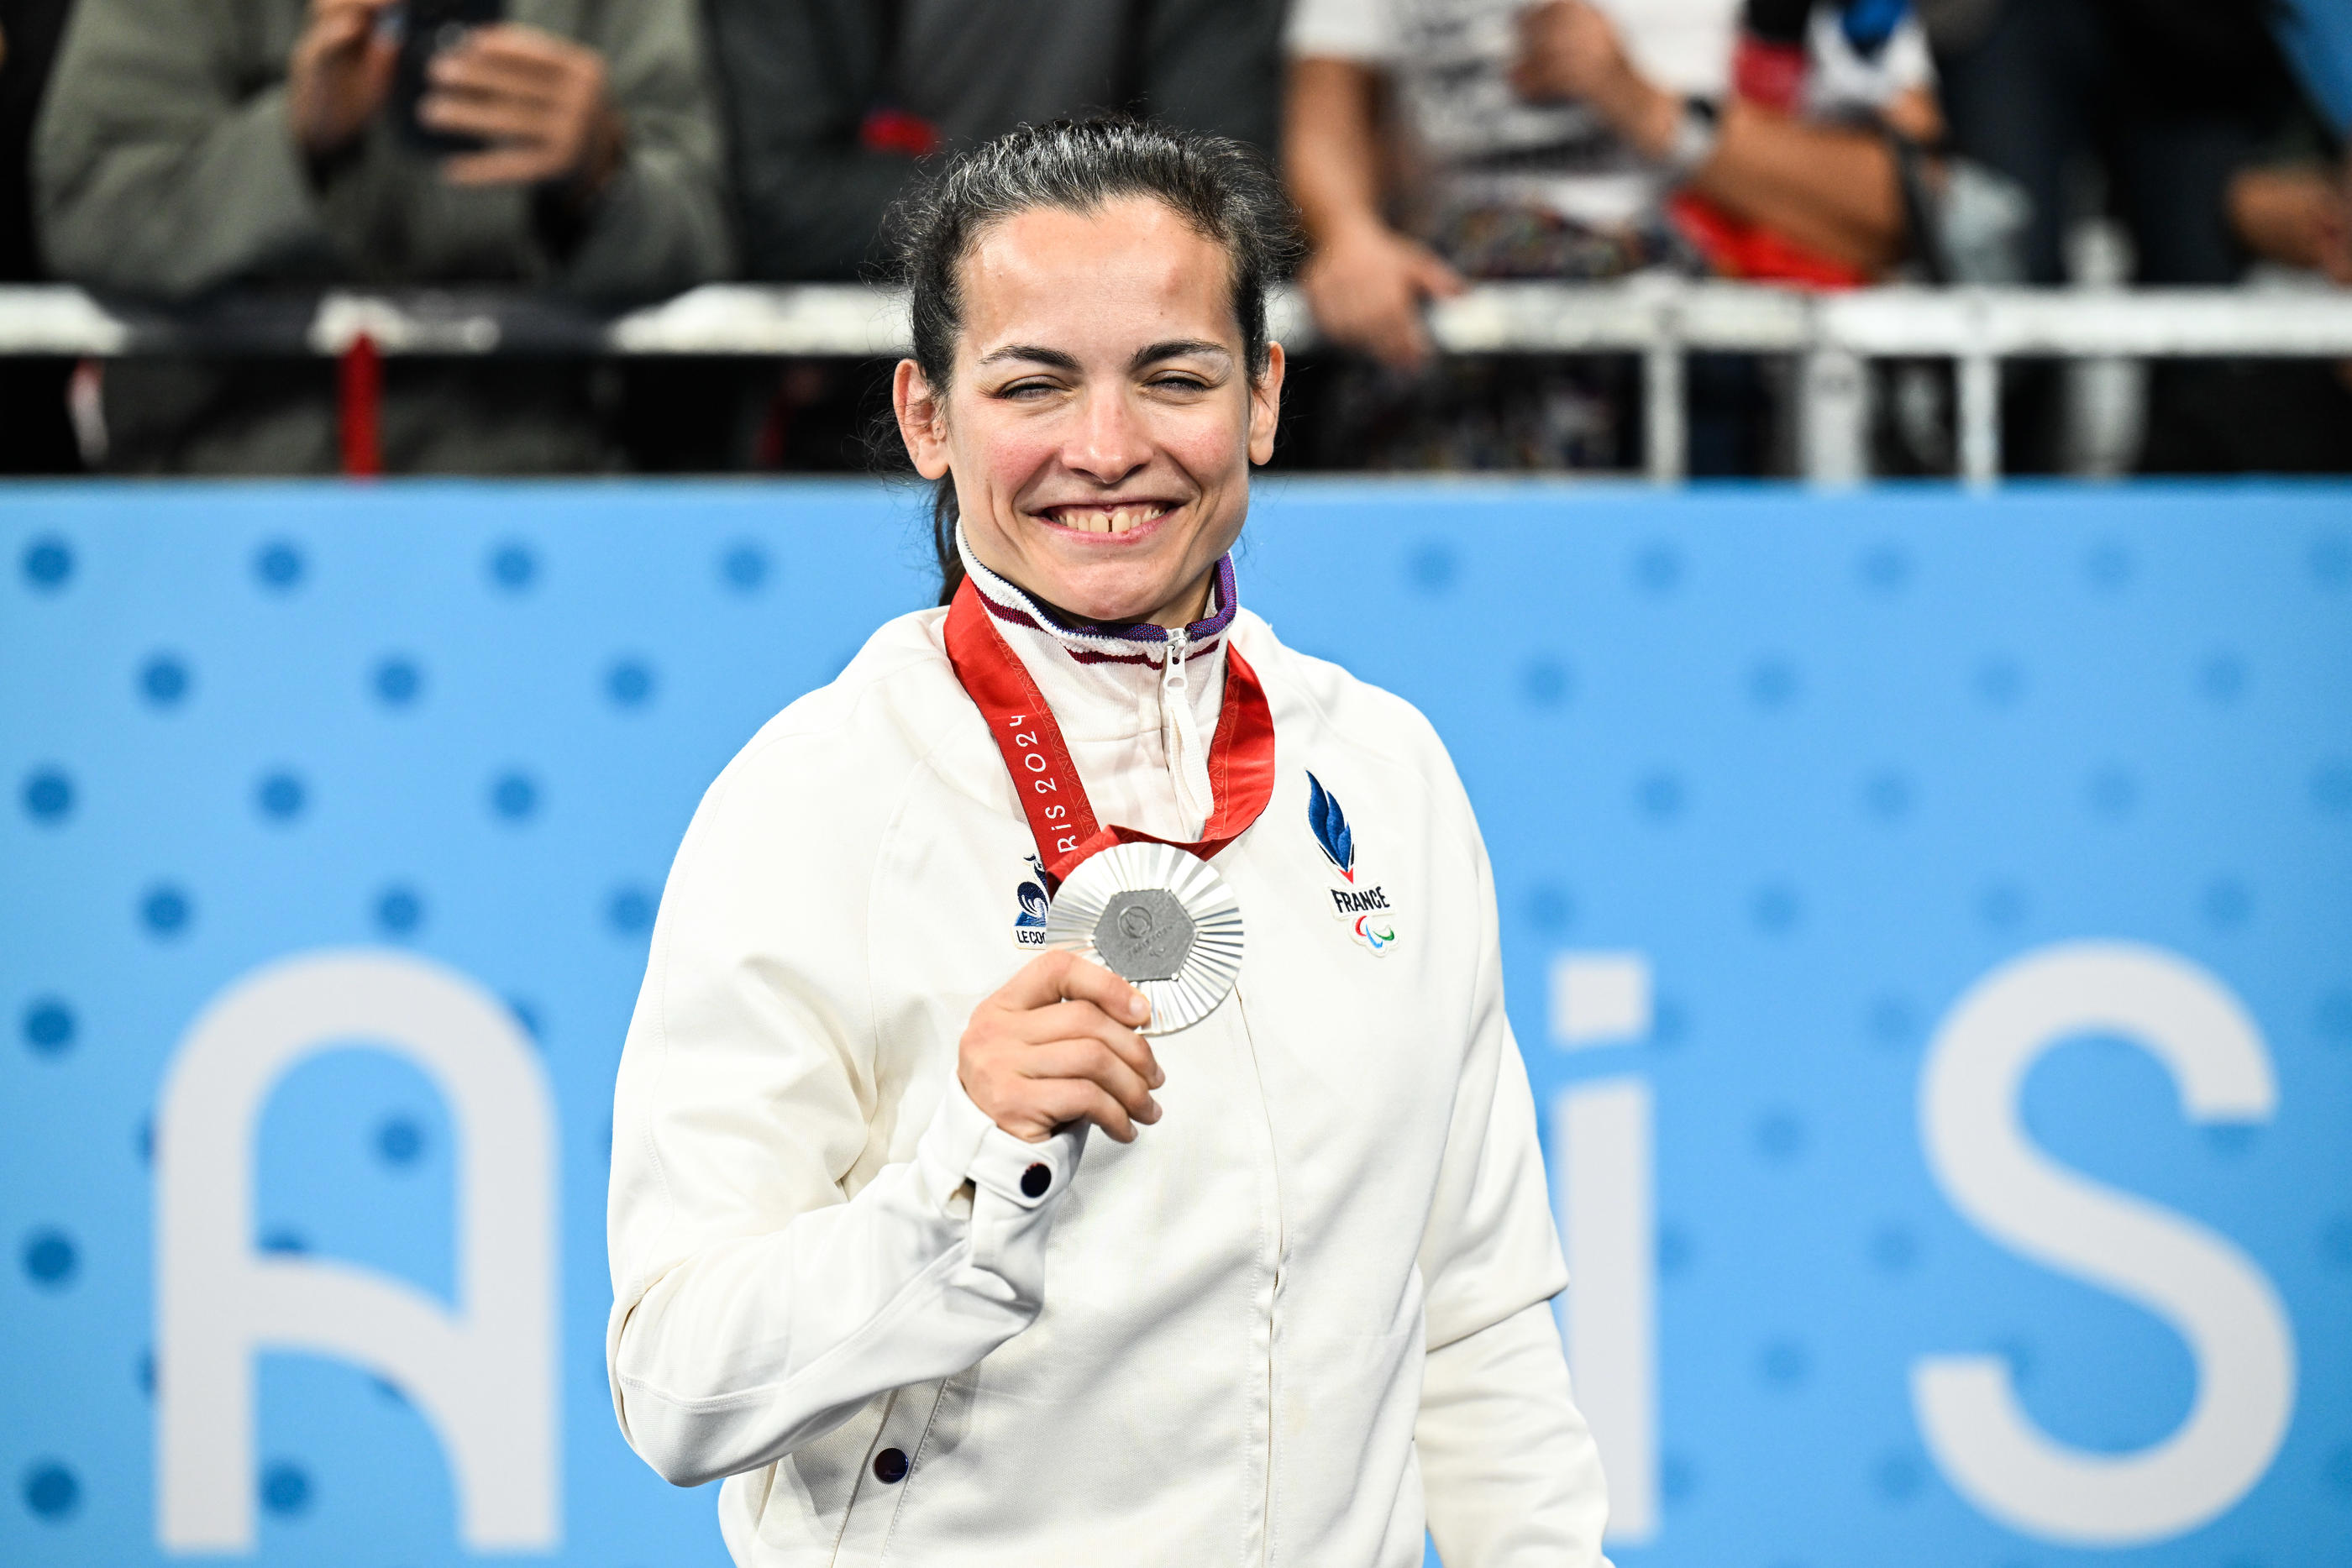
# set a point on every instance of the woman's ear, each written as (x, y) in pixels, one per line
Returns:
(922, 419)
(1266, 406)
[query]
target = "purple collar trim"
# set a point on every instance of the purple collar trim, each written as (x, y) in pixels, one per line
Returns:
(1146, 632)
(1091, 642)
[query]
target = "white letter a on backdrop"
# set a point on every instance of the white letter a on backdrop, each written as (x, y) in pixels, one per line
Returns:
(2196, 1282)
(484, 1377)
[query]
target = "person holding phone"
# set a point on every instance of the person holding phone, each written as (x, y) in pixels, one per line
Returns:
(192, 145)
(1070, 1116)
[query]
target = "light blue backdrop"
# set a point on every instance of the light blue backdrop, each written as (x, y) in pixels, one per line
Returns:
(1812, 765)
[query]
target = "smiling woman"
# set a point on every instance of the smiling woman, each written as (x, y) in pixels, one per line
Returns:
(1091, 358)
(1293, 1306)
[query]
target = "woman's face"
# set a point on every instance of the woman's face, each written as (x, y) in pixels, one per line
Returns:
(1100, 422)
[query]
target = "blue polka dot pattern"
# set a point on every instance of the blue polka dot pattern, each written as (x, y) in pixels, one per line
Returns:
(279, 566)
(2332, 1017)
(2227, 902)
(1674, 1249)
(744, 567)
(1886, 568)
(164, 680)
(1775, 908)
(399, 1141)
(1432, 568)
(2331, 787)
(2000, 682)
(165, 911)
(2331, 561)
(49, 1027)
(2222, 678)
(1898, 1477)
(1894, 1247)
(2003, 906)
(52, 1493)
(48, 564)
(629, 683)
(513, 567)
(286, 1490)
(2113, 792)
(1658, 568)
(2108, 566)
(1785, 1362)
(1780, 1136)
(51, 1259)
(2229, 1140)
(396, 680)
(1771, 683)
(2024, 1364)
(1822, 762)
(1545, 682)
(1660, 796)
(1550, 907)
(48, 795)
(399, 911)
(629, 911)
(1677, 1477)
(514, 797)
(1887, 796)
(279, 797)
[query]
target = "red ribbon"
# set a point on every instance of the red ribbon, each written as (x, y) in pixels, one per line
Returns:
(1061, 817)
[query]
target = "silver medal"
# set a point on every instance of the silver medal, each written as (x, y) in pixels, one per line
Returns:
(1159, 918)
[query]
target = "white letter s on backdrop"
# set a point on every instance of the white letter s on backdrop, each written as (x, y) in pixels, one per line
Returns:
(2197, 1282)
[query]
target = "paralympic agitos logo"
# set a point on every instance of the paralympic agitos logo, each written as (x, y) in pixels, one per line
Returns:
(1372, 918)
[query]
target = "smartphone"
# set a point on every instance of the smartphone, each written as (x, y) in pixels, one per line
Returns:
(428, 28)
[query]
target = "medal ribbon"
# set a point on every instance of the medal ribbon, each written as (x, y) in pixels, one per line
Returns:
(1061, 817)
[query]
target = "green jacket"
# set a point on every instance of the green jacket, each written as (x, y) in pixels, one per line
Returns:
(165, 166)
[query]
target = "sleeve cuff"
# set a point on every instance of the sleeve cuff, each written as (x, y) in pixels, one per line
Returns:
(963, 1144)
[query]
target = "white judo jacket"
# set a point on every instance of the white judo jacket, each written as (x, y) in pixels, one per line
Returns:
(1302, 1314)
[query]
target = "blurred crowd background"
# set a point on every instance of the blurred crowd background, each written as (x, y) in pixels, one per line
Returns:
(613, 152)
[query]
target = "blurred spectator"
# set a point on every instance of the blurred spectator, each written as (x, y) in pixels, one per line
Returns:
(2182, 119)
(831, 101)
(1430, 140)
(1544, 142)
(35, 435)
(192, 144)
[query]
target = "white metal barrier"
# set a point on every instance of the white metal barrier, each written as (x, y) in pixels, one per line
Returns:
(1661, 319)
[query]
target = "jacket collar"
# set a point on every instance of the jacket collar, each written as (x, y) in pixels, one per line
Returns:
(1107, 682)
(1089, 644)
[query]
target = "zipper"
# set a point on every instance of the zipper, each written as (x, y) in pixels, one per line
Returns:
(1179, 736)
(1174, 677)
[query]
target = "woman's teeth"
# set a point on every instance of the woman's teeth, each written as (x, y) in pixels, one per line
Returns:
(1107, 519)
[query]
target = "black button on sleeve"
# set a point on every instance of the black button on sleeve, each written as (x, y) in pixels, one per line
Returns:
(890, 1466)
(1036, 1179)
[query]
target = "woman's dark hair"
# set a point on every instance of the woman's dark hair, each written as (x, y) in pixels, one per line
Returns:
(1220, 186)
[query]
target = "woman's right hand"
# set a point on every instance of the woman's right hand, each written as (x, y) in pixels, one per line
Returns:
(1057, 1044)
